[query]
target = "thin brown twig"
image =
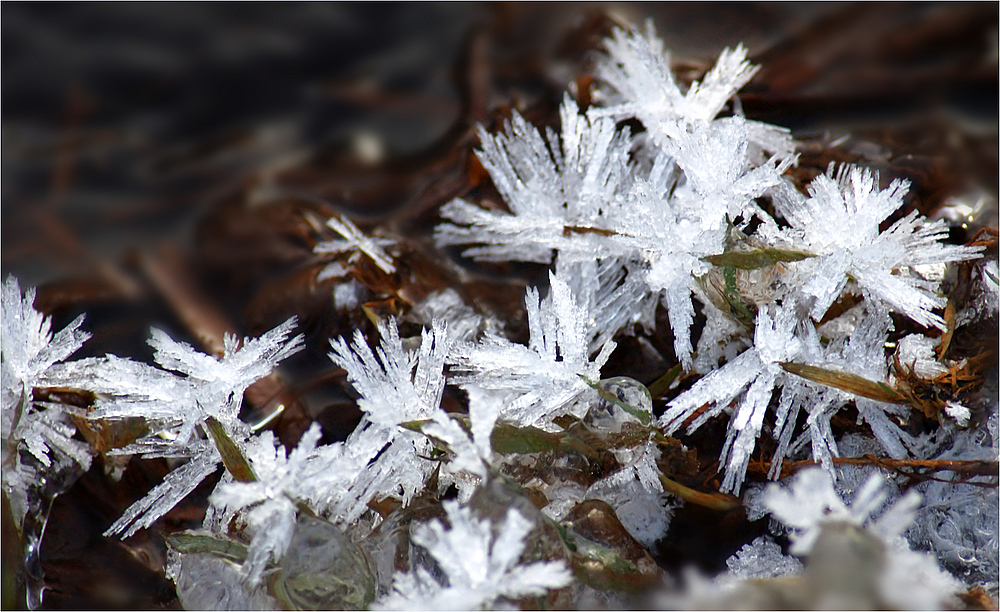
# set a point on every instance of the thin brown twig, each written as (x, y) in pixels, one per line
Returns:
(967, 468)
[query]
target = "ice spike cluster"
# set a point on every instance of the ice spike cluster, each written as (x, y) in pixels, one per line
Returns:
(668, 214)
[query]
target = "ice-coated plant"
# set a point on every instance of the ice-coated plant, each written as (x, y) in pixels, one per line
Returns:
(780, 337)
(270, 500)
(673, 213)
(356, 243)
(780, 306)
(838, 222)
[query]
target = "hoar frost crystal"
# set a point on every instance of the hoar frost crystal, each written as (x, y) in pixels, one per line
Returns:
(628, 221)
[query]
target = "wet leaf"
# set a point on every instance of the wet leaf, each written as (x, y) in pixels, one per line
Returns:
(604, 555)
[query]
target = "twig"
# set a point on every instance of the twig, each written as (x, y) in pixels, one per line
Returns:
(967, 468)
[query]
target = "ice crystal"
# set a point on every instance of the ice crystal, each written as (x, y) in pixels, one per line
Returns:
(396, 387)
(357, 243)
(471, 455)
(916, 352)
(163, 497)
(41, 430)
(720, 181)
(541, 380)
(675, 212)
(637, 496)
(862, 353)
(207, 582)
(269, 502)
(29, 346)
(177, 407)
(479, 562)
(207, 386)
(464, 322)
(958, 521)
(779, 337)
(550, 188)
(839, 222)
(652, 221)
(909, 580)
(762, 558)
(640, 84)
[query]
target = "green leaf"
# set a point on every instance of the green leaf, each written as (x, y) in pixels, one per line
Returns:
(738, 308)
(509, 439)
(759, 258)
(661, 384)
(232, 457)
(186, 542)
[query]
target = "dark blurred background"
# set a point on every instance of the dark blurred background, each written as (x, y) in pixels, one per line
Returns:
(125, 125)
(122, 122)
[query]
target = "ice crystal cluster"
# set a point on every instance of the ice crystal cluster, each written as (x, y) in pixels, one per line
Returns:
(693, 212)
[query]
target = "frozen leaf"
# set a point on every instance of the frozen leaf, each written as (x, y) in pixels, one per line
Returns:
(846, 381)
(323, 569)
